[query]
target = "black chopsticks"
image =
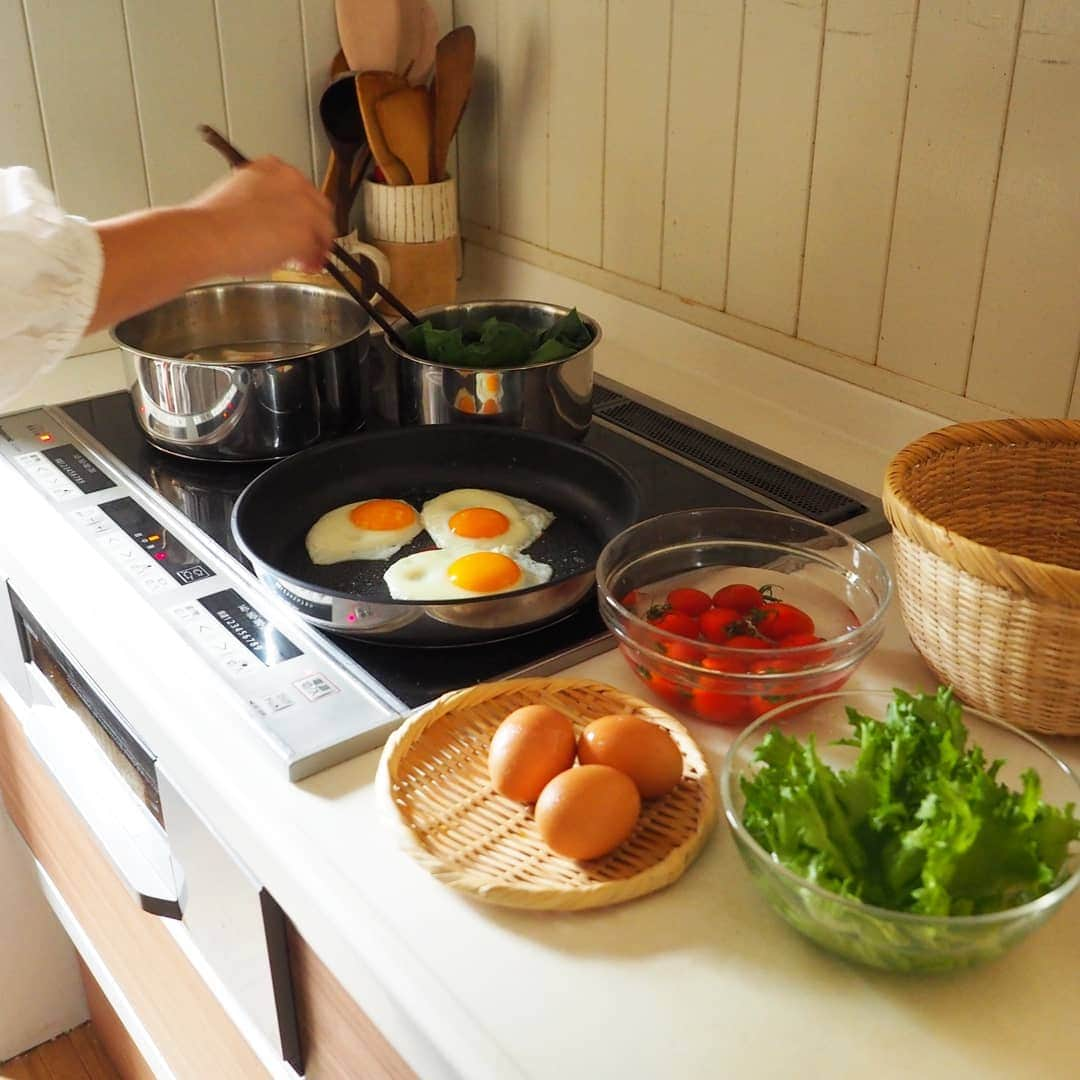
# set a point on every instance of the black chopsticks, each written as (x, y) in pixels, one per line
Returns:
(364, 272)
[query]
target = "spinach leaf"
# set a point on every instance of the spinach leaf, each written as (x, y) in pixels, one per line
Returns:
(497, 343)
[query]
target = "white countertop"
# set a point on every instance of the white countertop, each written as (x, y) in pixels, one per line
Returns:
(699, 980)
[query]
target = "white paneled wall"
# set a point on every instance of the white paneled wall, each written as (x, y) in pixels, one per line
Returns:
(888, 190)
(102, 97)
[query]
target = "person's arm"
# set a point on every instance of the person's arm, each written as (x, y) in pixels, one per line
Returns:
(259, 217)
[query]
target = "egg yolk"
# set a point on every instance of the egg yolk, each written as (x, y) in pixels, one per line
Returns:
(381, 515)
(490, 407)
(491, 383)
(484, 572)
(465, 402)
(479, 523)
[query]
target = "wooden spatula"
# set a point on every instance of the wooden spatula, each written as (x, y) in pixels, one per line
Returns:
(405, 121)
(455, 59)
(371, 86)
(370, 33)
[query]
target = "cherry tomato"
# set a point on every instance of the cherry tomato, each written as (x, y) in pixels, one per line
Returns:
(724, 663)
(746, 641)
(681, 650)
(688, 601)
(773, 666)
(779, 620)
(800, 641)
(666, 689)
(762, 703)
(676, 622)
(742, 598)
(717, 623)
(716, 707)
(630, 599)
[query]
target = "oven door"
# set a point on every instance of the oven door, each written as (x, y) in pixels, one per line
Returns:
(104, 769)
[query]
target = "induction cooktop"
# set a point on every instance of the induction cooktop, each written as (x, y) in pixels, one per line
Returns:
(679, 462)
(318, 697)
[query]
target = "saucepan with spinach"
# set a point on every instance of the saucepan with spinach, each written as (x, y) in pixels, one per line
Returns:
(514, 363)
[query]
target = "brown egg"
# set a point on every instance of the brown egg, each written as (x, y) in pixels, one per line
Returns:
(643, 750)
(533, 744)
(588, 811)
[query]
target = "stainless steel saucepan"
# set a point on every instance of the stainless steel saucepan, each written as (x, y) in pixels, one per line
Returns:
(553, 398)
(247, 370)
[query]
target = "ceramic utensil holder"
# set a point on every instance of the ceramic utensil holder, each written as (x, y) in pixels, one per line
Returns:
(416, 227)
(354, 246)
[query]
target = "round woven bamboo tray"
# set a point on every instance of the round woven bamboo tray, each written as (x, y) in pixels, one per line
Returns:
(986, 520)
(435, 793)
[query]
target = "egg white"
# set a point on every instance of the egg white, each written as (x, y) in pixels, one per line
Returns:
(527, 521)
(334, 538)
(423, 576)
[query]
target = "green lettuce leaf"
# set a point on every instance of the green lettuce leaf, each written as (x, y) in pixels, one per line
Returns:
(919, 822)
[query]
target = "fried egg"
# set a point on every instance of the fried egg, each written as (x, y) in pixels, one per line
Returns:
(372, 529)
(451, 575)
(471, 519)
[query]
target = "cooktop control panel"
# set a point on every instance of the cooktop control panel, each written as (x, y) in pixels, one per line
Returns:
(308, 709)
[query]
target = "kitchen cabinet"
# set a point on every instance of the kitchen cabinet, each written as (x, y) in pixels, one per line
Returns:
(176, 1007)
(179, 1011)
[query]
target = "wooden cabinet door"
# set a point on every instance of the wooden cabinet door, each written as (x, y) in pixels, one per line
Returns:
(178, 1010)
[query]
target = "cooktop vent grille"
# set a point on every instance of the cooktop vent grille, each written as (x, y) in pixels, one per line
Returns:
(798, 493)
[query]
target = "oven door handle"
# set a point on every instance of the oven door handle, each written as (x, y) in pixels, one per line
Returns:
(127, 834)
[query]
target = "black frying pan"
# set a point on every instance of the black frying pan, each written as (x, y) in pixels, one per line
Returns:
(591, 497)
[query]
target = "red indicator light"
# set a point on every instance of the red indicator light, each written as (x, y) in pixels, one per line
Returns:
(44, 436)
(160, 556)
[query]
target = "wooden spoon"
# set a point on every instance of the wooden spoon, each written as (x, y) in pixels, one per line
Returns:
(370, 33)
(419, 33)
(371, 86)
(455, 60)
(405, 121)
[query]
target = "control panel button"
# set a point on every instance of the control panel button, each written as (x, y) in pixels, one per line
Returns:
(237, 665)
(186, 612)
(278, 702)
(316, 686)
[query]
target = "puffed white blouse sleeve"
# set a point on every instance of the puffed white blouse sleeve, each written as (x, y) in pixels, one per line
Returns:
(50, 272)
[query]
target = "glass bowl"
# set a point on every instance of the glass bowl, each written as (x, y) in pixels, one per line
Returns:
(892, 940)
(839, 582)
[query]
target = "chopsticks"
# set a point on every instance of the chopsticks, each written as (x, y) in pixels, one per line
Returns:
(235, 158)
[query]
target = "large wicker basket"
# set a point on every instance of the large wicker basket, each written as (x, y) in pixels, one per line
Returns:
(986, 520)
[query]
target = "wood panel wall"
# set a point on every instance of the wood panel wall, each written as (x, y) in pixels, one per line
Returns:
(888, 190)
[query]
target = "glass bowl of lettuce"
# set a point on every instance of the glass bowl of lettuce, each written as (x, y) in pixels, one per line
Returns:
(900, 830)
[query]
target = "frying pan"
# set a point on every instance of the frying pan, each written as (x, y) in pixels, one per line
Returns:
(592, 498)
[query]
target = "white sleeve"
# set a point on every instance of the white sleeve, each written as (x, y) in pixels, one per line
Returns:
(50, 272)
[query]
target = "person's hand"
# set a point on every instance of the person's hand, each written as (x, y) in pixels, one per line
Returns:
(266, 214)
